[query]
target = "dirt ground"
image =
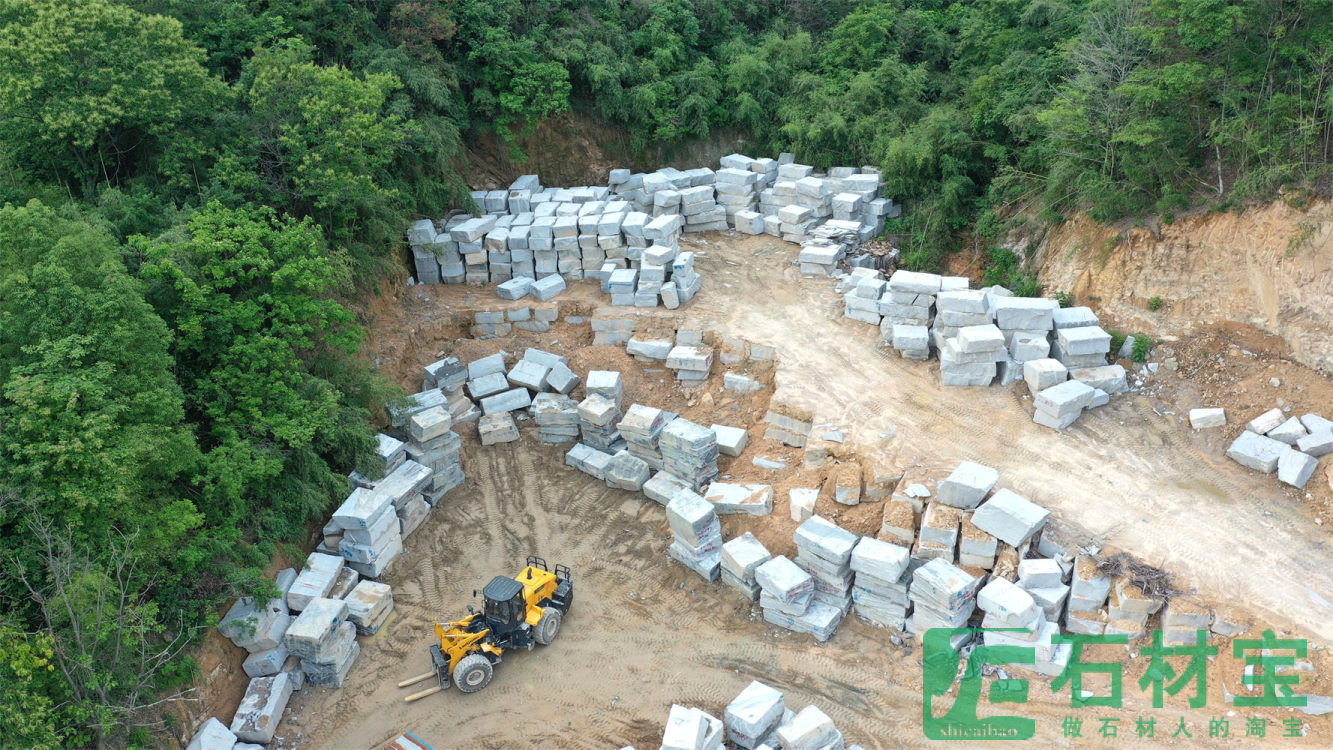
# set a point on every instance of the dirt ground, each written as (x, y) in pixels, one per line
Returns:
(645, 632)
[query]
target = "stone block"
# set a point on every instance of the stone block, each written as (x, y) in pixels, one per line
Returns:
(967, 485)
(802, 503)
(497, 428)
(1041, 374)
(1254, 451)
(1207, 419)
(1289, 432)
(261, 708)
(1316, 444)
(1295, 468)
(548, 287)
(214, 735)
(1010, 517)
(731, 441)
(1267, 421)
(515, 288)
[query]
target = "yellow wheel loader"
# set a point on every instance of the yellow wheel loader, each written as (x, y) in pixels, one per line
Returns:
(518, 613)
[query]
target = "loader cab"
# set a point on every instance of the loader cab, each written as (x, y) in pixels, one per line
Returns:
(506, 611)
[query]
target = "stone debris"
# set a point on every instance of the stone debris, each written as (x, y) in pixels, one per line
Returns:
(607, 384)
(968, 485)
(1291, 446)
(257, 627)
(740, 499)
(691, 729)
(626, 472)
(588, 460)
(824, 551)
(1060, 405)
(811, 729)
(802, 503)
(691, 363)
(698, 534)
(1257, 452)
(664, 486)
(741, 556)
(1010, 517)
(315, 580)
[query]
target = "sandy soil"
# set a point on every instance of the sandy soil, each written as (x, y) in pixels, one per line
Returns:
(645, 632)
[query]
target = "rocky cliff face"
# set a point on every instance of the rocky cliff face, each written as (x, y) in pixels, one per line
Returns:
(1270, 266)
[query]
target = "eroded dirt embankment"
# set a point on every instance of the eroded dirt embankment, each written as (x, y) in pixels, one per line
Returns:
(1270, 266)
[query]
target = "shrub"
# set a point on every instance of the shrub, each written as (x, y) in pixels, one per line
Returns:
(1142, 344)
(1155, 304)
(1066, 299)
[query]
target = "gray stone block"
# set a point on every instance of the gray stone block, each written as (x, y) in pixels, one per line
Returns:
(529, 374)
(494, 363)
(1207, 419)
(825, 539)
(1316, 443)
(1025, 313)
(1295, 468)
(967, 485)
(261, 708)
(511, 400)
(497, 428)
(548, 287)
(1109, 378)
(1254, 451)
(1289, 432)
(1010, 517)
(1266, 421)
(1064, 400)
(731, 441)
(1074, 317)
(515, 288)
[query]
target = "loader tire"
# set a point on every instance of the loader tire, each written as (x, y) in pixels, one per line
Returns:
(472, 673)
(548, 627)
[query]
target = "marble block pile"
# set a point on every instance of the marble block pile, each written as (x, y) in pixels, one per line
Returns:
(1290, 446)
(599, 417)
(324, 639)
(626, 471)
(740, 558)
(367, 526)
(641, 427)
(692, 363)
(697, 532)
(689, 452)
(882, 582)
(434, 445)
(588, 460)
(497, 429)
(942, 596)
(824, 550)
(557, 418)
(1009, 606)
(787, 595)
(608, 384)
(369, 605)
(753, 716)
(691, 729)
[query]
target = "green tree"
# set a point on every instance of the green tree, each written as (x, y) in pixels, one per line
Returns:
(90, 413)
(90, 85)
(249, 296)
(316, 141)
(28, 690)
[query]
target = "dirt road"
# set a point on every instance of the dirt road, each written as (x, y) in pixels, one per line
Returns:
(645, 633)
(1121, 473)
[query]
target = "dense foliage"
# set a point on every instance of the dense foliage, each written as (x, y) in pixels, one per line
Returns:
(192, 187)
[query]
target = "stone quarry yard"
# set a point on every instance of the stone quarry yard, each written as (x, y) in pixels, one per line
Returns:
(646, 632)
